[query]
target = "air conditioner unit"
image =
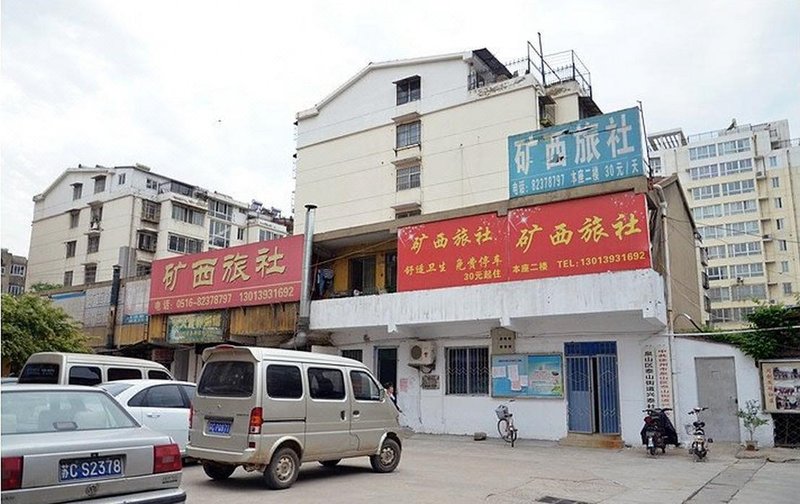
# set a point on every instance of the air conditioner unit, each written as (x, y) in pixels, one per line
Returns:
(422, 353)
(760, 175)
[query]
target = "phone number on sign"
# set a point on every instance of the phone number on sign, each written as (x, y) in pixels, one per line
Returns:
(200, 301)
(613, 258)
(267, 294)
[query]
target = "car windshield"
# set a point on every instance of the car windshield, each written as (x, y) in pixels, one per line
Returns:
(227, 378)
(115, 389)
(37, 411)
(39, 373)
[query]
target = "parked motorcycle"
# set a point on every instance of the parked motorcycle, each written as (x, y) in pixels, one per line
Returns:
(658, 430)
(698, 448)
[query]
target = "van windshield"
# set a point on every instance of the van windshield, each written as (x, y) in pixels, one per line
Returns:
(39, 373)
(227, 378)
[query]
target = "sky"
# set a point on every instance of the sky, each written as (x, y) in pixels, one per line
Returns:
(207, 92)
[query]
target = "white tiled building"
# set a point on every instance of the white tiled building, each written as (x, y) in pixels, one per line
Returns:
(92, 218)
(743, 184)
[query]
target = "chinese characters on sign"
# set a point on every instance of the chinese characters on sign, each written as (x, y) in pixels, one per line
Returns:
(256, 274)
(650, 394)
(664, 377)
(592, 150)
(781, 382)
(590, 235)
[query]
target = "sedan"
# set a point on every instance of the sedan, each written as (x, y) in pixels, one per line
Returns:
(161, 405)
(66, 443)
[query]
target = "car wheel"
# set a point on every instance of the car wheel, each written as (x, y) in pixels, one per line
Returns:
(388, 458)
(282, 470)
(217, 471)
(330, 463)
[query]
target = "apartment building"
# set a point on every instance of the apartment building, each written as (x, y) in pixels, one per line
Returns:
(432, 180)
(14, 272)
(743, 184)
(93, 218)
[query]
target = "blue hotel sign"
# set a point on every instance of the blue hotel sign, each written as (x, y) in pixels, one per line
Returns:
(589, 151)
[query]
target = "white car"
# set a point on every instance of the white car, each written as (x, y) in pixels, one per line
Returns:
(161, 405)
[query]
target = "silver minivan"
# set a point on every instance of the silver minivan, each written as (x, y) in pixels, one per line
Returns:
(88, 369)
(270, 410)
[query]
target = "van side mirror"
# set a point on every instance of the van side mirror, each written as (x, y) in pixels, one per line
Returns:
(383, 394)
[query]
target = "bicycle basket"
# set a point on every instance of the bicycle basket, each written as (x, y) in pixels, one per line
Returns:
(501, 411)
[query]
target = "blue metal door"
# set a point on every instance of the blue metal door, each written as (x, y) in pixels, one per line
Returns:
(592, 387)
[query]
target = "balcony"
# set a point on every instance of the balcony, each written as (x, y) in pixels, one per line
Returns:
(629, 302)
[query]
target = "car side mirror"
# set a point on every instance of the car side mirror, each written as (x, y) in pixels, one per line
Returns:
(383, 394)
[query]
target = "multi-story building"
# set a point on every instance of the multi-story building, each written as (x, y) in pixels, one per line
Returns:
(424, 157)
(14, 271)
(93, 218)
(743, 185)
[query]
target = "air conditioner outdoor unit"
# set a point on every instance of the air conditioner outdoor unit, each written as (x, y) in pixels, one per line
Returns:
(422, 353)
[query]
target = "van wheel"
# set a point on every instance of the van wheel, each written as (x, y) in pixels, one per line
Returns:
(387, 460)
(330, 463)
(282, 470)
(217, 471)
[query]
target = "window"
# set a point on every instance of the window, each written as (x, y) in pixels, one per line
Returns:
(773, 161)
(784, 266)
(776, 182)
(731, 167)
(96, 216)
(782, 246)
(93, 244)
(220, 210)
(15, 290)
(184, 244)
(734, 146)
(326, 383)
(115, 374)
(707, 212)
(265, 234)
(18, 270)
(355, 354)
(655, 164)
(151, 211)
(84, 375)
(702, 152)
(707, 232)
(744, 249)
(778, 202)
(715, 252)
(74, 219)
(748, 292)
(99, 184)
(219, 234)
(89, 273)
(186, 214)
(160, 396)
(719, 294)
(362, 274)
(284, 382)
(227, 379)
(77, 191)
(240, 233)
(152, 184)
(390, 271)
(364, 387)
(704, 172)
(147, 241)
(408, 178)
(121, 179)
(71, 248)
(740, 228)
(787, 288)
(706, 192)
(468, 370)
(407, 213)
(408, 90)
(143, 268)
(738, 187)
(40, 373)
(748, 270)
(408, 134)
(189, 390)
(717, 272)
(780, 224)
(741, 207)
(67, 278)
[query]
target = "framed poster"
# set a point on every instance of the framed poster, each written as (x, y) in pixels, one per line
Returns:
(528, 375)
(780, 380)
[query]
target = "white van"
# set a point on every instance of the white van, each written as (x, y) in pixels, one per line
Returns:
(270, 410)
(88, 369)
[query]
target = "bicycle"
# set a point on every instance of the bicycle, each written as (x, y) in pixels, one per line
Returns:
(505, 424)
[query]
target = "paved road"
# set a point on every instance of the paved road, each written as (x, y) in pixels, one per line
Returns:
(443, 469)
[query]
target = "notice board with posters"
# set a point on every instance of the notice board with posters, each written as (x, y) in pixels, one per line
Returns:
(528, 375)
(780, 380)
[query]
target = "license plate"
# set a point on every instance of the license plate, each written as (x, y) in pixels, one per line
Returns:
(90, 468)
(217, 427)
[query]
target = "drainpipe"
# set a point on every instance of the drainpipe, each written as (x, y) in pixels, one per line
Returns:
(303, 322)
(668, 294)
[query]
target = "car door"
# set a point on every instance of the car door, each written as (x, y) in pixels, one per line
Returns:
(327, 414)
(371, 415)
(164, 409)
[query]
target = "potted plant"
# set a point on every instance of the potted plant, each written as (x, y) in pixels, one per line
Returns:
(752, 421)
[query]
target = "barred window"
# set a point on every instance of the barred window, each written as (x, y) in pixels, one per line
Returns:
(468, 370)
(408, 178)
(408, 134)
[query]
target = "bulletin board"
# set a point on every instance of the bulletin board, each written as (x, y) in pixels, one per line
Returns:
(528, 375)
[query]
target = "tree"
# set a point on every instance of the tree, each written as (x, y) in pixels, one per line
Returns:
(44, 286)
(31, 324)
(775, 334)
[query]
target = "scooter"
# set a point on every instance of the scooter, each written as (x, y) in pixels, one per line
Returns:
(658, 431)
(698, 448)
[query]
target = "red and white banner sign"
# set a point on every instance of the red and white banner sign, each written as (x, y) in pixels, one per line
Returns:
(260, 273)
(575, 237)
